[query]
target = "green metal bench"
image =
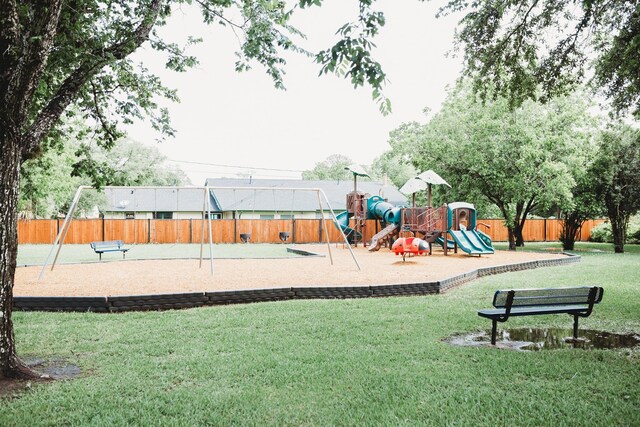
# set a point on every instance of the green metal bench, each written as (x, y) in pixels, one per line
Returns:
(577, 302)
(109, 246)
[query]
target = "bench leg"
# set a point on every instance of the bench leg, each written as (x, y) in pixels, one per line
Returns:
(100, 256)
(494, 330)
(575, 326)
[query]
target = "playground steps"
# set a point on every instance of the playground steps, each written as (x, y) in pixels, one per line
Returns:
(432, 236)
(378, 238)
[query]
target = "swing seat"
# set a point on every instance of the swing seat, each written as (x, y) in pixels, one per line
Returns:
(245, 237)
(284, 236)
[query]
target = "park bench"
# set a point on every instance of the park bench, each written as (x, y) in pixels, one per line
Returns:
(109, 246)
(577, 302)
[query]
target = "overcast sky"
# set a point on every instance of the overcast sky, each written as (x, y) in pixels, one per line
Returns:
(240, 119)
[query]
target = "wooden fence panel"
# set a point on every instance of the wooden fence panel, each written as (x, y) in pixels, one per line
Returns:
(496, 229)
(43, 231)
(38, 231)
(306, 231)
(589, 225)
(131, 231)
(83, 231)
(554, 226)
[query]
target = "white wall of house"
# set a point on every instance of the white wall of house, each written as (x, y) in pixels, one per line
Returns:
(277, 215)
(227, 215)
(149, 215)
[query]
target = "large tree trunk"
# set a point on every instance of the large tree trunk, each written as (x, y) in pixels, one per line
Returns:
(518, 234)
(512, 238)
(619, 226)
(571, 225)
(10, 365)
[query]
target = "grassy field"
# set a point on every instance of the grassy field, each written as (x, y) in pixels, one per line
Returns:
(337, 362)
(37, 254)
(580, 247)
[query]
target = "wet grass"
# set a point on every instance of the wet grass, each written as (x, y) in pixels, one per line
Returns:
(37, 254)
(338, 362)
(579, 248)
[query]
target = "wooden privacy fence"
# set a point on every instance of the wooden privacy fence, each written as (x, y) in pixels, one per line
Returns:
(81, 231)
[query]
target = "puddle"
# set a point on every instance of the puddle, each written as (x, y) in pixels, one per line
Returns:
(535, 339)
(57, 368)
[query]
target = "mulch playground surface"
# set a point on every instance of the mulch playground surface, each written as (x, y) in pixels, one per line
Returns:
(177, 276)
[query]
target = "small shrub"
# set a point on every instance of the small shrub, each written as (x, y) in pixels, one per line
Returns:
(601, 233)
(633, 232)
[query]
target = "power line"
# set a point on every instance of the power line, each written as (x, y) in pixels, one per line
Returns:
(235, 166)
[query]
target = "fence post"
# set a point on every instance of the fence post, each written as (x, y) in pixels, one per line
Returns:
(320, 230)
(148, 230)
(293, 230)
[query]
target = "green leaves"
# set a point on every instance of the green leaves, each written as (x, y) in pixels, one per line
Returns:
(351, 57)
(517, 160)
(540, 49)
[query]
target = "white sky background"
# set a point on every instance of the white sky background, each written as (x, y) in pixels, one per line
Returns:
(240, 119)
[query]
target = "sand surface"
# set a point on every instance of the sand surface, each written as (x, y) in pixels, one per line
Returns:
(172, 276)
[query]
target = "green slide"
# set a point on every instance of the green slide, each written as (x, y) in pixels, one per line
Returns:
(470, 242)
(342, 221)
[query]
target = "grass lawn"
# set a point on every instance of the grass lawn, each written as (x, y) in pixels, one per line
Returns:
(579, 248)
(37, 254)
(337, 362)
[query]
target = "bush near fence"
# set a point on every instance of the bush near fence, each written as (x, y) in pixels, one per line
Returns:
(83, 231)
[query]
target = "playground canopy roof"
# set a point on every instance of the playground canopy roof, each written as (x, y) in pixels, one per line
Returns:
(286, 200)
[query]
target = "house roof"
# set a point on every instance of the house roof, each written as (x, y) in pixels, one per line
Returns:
(161, 199)
(251, 199)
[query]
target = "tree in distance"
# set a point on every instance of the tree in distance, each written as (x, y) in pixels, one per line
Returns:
(333, 167)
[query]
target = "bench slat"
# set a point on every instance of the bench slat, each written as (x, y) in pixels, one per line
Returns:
(526, 311)
(548, 296)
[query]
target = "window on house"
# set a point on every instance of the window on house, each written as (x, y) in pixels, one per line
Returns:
(287, 216)
(129, 215)
(163, 215)
(213, 215)
(266, 216)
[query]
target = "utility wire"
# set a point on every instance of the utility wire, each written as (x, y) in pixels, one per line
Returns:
(235, 166)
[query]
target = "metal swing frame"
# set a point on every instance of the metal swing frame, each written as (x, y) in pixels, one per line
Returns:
(206, 208)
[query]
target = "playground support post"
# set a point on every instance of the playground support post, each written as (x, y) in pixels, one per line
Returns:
(206, 207)
(324, 225)
(335, 221)
(62, 234)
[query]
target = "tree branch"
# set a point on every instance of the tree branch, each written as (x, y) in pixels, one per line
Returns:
(69, 89)
(9, 36)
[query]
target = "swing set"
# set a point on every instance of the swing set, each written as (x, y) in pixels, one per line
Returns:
(207, 191)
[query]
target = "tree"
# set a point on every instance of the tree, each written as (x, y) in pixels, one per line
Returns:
(63, 53)
(516, 48)
(618, 170)
(514, 159)
(127, 163)
(332, 168)
(392, 165)
(49, 181)
(584, 204)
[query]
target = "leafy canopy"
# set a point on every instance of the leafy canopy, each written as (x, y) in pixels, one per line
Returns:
(519, 48)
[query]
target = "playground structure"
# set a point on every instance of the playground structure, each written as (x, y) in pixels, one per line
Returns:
(451, 226)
